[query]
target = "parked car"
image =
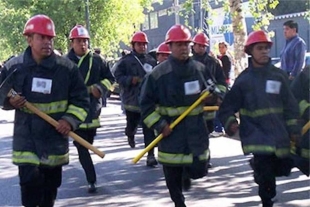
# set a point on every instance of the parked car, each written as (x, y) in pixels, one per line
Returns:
(307, 61)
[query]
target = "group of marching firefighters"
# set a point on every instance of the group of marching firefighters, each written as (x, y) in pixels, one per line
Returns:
(154, 93)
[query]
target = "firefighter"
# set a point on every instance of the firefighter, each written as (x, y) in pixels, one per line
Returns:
(268, 116)
(54, 85)
(162, 52)
(300, 88)
(129, 73)
(97, 78)
(201, 42)
(167, 92)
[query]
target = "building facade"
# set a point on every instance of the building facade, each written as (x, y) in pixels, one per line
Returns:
(165, 14)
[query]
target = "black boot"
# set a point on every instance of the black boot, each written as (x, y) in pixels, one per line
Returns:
(151, 161)
(92, 188)
(131, 141)
(49, 197)
(268, 203)
(186, 183)
(255, 175)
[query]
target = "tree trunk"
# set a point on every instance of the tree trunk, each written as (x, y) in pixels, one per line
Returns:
(240, 34)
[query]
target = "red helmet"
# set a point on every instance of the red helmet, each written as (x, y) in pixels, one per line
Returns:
(201, 39)
(139, 37)
(40, 24)
(256, 37)
(163, 48)
(178, 33)
(79, 32)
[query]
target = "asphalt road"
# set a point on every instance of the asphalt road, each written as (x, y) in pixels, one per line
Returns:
(121, 183)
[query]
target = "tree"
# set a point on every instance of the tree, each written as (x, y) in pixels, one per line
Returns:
(111, 21)
(258, 9)
(239, 30)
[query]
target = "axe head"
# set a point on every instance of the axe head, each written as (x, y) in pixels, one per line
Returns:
(5, 87)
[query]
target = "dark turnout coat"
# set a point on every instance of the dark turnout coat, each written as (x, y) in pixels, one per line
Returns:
(64, 96)
(96, 73)
(164, 98)
(267, 108)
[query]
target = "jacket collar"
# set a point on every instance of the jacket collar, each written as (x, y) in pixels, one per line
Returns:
(47, 63)
(72, 56)
(260, 69)
(177, 61)
(138, 55)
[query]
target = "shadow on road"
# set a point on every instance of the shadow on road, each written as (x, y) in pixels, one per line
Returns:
(123, 184)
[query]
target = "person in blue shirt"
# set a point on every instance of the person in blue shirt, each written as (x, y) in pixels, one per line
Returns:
(293, 53)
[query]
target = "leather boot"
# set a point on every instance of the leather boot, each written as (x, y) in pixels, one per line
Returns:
(151, 161)
(131, 141)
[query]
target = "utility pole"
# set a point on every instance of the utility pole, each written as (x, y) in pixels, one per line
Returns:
(176, 11)
(201, 15)
(87, 18)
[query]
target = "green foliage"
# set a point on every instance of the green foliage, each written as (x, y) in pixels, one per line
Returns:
(258, 8)
(290, 6)
(260, 11)
(111, 21)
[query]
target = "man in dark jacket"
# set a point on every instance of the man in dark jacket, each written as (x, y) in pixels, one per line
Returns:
(98, 78)
(129, 73)
(167, 92)
(268, 116)
(54, 85)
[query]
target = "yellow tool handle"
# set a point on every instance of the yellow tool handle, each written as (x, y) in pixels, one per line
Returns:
(211, 108)
(172, 125)
(305, 128)
(54, 123)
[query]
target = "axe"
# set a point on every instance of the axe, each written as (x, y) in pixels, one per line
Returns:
(210, 88)
(7, 91)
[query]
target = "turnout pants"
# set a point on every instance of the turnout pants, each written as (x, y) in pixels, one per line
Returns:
(133, 119)
(39, 185)
(84, 155)
(173, 177)
(266, 169)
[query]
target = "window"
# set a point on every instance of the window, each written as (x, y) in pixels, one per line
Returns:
(146, 23)
(162, 12)
(153, 20)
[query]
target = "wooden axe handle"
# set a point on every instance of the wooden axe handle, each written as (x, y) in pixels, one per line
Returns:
(54, 123)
